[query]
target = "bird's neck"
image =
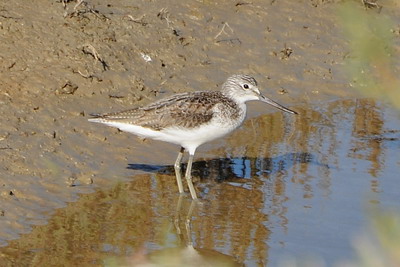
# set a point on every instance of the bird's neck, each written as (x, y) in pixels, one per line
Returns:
(229, 93)
(233, 107)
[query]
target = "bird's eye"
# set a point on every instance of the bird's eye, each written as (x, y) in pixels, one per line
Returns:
(245, 86)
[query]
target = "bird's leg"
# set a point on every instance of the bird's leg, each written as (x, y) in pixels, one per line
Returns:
(189, 177)
(177, 167)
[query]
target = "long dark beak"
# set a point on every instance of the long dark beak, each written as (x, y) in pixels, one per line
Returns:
(273, 103)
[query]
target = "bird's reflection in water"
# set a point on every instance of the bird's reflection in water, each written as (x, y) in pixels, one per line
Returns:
(184, 253)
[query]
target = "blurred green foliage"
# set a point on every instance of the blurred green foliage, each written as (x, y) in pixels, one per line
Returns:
(380, 245)
(371, 59)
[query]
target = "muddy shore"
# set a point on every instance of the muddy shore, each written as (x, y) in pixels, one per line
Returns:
(60, 61)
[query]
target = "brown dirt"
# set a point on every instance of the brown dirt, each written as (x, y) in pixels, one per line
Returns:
(59, 63)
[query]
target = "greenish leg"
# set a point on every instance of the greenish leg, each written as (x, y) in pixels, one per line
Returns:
(177, 167)
(189, 177)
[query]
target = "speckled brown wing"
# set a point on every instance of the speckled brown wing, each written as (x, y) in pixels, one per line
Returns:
(186, 110)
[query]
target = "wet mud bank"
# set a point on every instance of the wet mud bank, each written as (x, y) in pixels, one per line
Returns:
(61, 60)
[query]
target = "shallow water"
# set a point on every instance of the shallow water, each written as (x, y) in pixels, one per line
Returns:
(77, 194)
(279, 187)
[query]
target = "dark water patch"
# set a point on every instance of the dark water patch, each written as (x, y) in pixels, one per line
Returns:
(227, 169)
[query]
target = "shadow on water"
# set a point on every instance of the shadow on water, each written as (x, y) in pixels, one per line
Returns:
(228, 169)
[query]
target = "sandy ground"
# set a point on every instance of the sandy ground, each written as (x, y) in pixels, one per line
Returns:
(59, 62)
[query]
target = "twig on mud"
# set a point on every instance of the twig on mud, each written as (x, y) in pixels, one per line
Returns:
(85, 75)
(86, 8)
(231, 40)
(64, 3)
(138, 20)
(116, 96)
(223, 30)
(371, 4)
(67, 89)
(163, 14)
(78, 3)
(243, 3)
(88, 76)
(90, 50)
(6, 16)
